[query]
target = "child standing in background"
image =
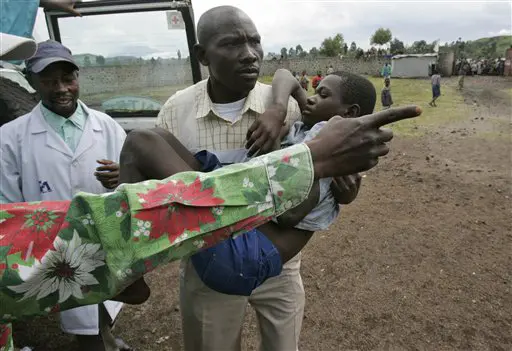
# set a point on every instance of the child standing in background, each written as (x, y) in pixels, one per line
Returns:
(436, 88)
(385, 95)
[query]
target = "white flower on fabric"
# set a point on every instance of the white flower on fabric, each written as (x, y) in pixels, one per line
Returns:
(198, 243)
(287, 205)
(294, 162)
(147, 224)
(119, 214)
(66, 269)
(85, 222)
(140, 223)
(276, 187)
(141, 200)
(136, 233)
(146, 233)
(128, 271)
(247, 183)
(218, 210)
(271, 171)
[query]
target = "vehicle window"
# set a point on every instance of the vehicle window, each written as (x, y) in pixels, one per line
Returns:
(130, 61)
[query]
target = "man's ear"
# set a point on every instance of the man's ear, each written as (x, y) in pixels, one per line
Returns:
(353, 111)
(200, 53)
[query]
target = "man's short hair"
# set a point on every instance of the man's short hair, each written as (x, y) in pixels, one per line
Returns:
(359, 90)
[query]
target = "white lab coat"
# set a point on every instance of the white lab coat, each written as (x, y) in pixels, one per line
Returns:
(37, 165)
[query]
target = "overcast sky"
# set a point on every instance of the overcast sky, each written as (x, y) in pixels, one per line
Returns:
(286, 23)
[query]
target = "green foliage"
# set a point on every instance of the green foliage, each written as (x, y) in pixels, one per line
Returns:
(332, 47)
(382, 36)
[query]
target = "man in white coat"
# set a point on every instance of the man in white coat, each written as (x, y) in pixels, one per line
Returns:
(52, 153)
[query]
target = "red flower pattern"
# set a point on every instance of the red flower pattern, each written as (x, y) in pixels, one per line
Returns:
(5, 331)
(168, 212)
(32, 230)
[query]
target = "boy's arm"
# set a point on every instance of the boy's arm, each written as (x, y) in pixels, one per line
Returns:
(264, 132)
(345, 188)
(285, 85)
(292, 217)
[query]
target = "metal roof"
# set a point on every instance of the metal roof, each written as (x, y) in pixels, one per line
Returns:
(396, 57)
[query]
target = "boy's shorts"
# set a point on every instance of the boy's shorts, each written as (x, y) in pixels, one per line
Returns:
(235, 266)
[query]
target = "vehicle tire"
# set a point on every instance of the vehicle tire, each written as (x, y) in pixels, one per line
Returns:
(15, 100)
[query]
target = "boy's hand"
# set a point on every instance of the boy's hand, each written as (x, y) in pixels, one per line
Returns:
(108, 174)
(346, 188)
(62, 5)
(264, 132)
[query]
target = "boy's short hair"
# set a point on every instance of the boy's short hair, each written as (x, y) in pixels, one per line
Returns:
(357, 89)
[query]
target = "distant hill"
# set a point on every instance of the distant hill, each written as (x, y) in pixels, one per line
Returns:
(494, 46)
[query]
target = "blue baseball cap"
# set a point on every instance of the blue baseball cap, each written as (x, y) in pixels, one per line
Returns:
(49, 52)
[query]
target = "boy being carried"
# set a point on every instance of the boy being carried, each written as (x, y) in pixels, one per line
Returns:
(239, 265)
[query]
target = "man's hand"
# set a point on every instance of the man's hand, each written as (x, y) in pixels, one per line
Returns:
(62, 5)
(346, 188)
(264, 132)
(347, 146)
(108, 174)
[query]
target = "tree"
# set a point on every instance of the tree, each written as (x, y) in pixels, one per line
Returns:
(100, 60)
(291, 52)
(87, 61)
(332, 47)
(179, 54)
(353, 47)
(299, 50)
(284, 53)
(359, 53)
(345, 49)
(381, 37)
(397, 47)
(313, 52)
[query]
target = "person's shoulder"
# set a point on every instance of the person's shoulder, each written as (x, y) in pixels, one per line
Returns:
(184, 96)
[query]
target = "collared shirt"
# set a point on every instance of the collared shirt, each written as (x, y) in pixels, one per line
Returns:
(191, 116)
(69, 129)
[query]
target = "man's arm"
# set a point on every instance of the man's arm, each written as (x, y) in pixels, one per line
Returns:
(61, 5)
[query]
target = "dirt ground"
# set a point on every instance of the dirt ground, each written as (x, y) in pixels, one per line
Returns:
(422, 260)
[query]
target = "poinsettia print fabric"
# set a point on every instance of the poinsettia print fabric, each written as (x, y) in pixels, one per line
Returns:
(60, 255)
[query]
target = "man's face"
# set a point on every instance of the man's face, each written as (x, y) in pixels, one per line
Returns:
(326, 102)
(234, 54)
(58, 87)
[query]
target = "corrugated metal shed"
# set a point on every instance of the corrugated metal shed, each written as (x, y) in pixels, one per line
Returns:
(412, 65)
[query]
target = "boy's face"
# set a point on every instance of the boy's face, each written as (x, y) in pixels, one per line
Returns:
(326, 102)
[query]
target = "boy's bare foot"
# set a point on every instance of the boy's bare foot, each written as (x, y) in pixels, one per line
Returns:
(135, 294)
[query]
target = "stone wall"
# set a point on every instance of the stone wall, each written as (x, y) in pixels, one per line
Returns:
(100, 79)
